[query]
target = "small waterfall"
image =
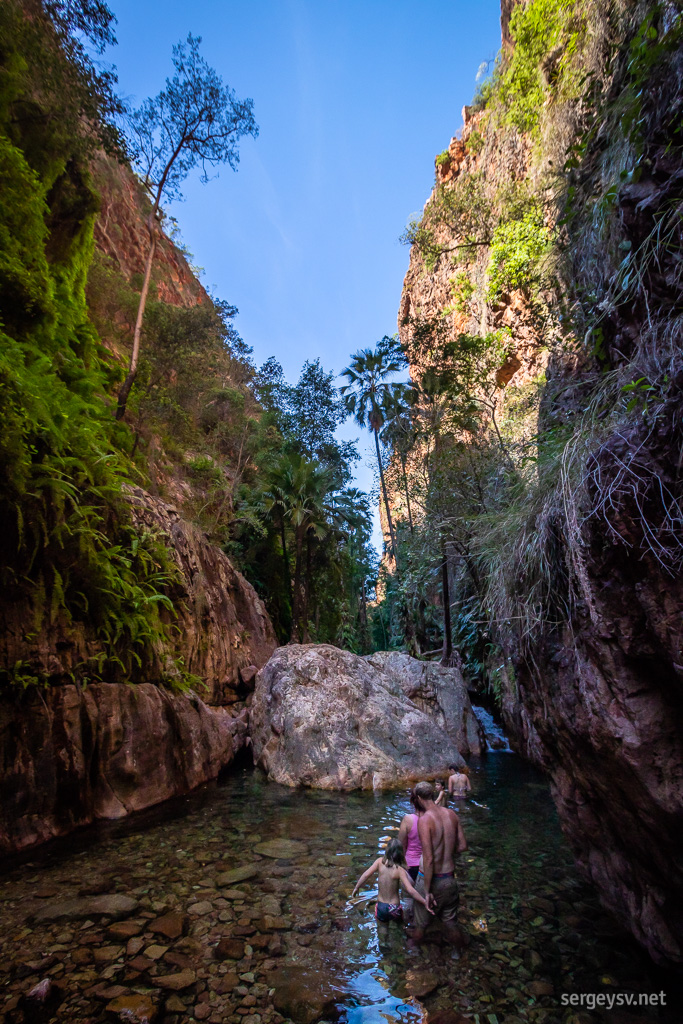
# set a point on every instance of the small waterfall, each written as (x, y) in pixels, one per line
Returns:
(495, 737)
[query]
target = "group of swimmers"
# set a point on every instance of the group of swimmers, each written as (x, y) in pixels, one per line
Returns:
(421, 860)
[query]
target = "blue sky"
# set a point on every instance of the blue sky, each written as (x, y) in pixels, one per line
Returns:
(354, 99)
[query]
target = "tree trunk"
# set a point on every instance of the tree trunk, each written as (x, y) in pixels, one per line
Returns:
(135, 354)
(405, 484)
(296, 601)
(285, 558)
(306, 638)
(363, 616)
(448, 658)
(386, 501)
(421, 629)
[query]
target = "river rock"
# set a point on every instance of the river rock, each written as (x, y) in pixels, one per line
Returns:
(175, 982)
(171, 925)
(281, 849)
(302, 994)
(421, 982)
(124, 929)
(329, 719)
(229, 949)
(438, 691)
(242, 874)
(134, 1008)
(97, 906)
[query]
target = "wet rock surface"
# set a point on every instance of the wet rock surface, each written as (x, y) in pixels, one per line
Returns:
(285, 945)
(69, 756)
(326, 718)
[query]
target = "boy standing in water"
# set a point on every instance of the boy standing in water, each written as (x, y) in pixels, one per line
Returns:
(392, 873)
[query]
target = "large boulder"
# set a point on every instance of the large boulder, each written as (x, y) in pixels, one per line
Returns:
(438, 691)
(329, 719)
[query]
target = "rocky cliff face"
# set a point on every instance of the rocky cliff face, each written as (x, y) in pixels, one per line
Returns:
(594, 693)
(220, 632)
(121, 235)
(70, 755)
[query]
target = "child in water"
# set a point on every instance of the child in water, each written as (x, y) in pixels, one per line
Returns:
(392, 873)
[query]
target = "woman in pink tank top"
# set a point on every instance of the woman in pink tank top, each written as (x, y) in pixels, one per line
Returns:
(408, 835)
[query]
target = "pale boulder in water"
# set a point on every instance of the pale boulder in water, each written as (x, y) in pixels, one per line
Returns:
(329, 719)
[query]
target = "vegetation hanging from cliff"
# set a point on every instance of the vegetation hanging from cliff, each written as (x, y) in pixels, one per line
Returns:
(67, 542)
(582, 244)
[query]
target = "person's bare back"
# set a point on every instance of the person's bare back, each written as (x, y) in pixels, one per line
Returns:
(446, 838)
(459, 785)
(442, 839)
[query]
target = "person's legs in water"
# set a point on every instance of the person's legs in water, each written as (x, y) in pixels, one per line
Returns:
(447, 896)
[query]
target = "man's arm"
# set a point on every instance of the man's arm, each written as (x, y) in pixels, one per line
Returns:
(424, 830)
(451, 784)
(468, 787)
(411, 890)
(460, 841)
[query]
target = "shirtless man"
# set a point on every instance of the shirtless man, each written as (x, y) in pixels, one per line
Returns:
(442, 840)
(458, 784)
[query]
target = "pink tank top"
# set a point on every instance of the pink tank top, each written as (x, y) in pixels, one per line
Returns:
(414, 849)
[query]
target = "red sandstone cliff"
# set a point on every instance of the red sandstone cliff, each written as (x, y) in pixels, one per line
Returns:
(593, 694)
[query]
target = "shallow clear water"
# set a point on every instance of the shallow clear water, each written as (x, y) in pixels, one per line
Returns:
(537, 931)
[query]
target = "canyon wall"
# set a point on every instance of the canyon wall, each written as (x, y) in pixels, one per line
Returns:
(73, 751)
(129, 643)
(591, 680)
(121, 236)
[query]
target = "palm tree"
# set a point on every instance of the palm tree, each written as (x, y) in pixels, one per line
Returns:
(399, 432)
(298, 492)
(364, 395)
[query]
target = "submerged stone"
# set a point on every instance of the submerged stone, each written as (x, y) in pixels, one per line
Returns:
(111, 905)
(302, 993)
(282, 849)
(135, 1008)
(242, 874)
(176, 982)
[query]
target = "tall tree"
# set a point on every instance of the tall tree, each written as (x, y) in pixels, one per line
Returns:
(399, 433)
(195, 121)
(364, 395)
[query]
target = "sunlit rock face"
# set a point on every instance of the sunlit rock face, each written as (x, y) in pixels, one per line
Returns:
(69, 756)
(440, 692)
(329, 719)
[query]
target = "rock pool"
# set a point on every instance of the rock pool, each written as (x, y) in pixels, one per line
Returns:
(231, 905)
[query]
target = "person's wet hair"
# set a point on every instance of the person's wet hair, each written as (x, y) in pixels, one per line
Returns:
(421, 792)
(393, 854)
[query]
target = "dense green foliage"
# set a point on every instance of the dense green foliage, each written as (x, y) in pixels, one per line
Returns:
(66, 540)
